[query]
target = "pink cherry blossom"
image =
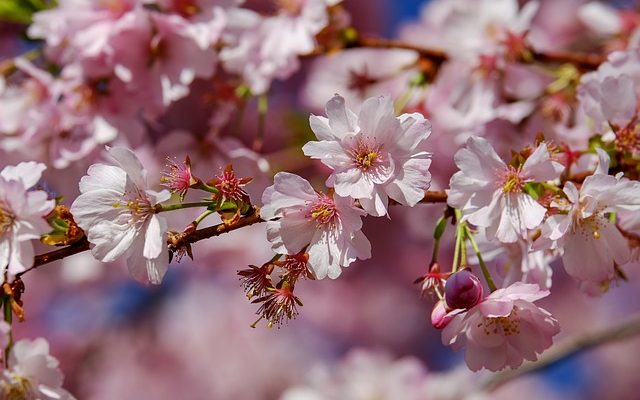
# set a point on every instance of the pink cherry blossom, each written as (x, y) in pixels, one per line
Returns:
(32, 373)
(22, 212)
(117, 211)
(262, 49)
(503, 330)
(328, 227)
(463, 101)
(609, 96)
(491, 193)
(374, 155)
(358, 74)
(364, 374)
(468, 32)
(592, 244)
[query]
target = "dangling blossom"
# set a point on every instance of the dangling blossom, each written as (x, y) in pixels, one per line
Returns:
(22, 215)
(117, 211)
(491, 193)
(32, 373)
(374, 155)
(503, 330)
(582, 228)
(328, 227)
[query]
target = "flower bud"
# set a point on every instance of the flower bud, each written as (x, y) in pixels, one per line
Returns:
(463, 290)
(439, 316)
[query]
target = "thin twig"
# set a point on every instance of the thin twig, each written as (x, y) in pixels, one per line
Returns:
(568, 348)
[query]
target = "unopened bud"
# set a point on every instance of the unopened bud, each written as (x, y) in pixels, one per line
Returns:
(463, 290)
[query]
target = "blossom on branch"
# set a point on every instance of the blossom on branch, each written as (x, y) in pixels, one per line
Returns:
(32, 373)
(22, 215)
(329, 227)
(117, 211)
(374, 155)
(491, 193)
(503, 330)
(591, 242)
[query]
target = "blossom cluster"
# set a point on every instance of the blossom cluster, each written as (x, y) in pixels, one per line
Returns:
(531, 146)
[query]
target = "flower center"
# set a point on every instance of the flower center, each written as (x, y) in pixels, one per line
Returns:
(628, 138)
(590, 226)
(504, 326)
(139, 205)
(512, 180)
(6, 219)
(322, 211)
(16, 389)
(366, 155)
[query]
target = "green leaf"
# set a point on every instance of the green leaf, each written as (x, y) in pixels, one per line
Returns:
(21, 11)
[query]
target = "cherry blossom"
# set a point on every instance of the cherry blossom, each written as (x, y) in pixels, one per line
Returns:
(22, 212)
(328, 227)
(262, 49)
(364, 374)
(374, 155)
(117, 211)
(592, 244)
(491, 193)
(32, 373)
(609, 96)
(466, 32)
(503, 330)
(358, 74)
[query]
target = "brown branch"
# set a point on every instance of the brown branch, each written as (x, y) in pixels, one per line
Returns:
(46, 258)
(583, 61)
(195, 236)
(568, 348)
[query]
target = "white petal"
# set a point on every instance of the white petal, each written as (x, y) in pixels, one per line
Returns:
(29, 173)
(154, 237)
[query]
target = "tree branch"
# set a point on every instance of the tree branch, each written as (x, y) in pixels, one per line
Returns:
(583, 61)
(186, 239)
(568, 348)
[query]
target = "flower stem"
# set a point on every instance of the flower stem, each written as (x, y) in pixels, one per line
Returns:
(263, 107)
(441, 225)
(201, 217)
(483, 266)
(171, 207)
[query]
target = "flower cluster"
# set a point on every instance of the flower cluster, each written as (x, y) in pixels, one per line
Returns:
(535, 158)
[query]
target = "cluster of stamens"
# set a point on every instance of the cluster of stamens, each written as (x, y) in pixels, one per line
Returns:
(6, 218)
(230, 186)
(505, 326)
(628, 138)
(139, 205)
(366, 154)
(323, 211)
(512, 180)
(18, 389)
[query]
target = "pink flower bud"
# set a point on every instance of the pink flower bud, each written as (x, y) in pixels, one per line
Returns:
(463, 290)
(439, 316)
